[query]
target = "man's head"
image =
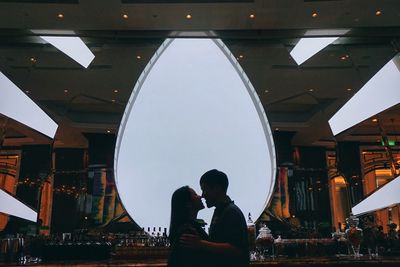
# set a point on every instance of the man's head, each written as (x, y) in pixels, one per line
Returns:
(214, 185)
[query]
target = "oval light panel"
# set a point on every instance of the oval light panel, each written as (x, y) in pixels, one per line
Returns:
(193, 109)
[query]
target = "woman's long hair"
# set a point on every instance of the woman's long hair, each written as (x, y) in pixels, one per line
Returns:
(180, 210)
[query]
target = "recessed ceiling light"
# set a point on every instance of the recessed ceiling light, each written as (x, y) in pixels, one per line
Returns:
(348, 89)
(374, 120)
(343, 58)
(378, 13)
(125, 16)
(188, 16)
(240, 56)
(65, 91)
(113, 100)
(115, 91)
(60, 15)
(138, 57)
(252, 16)
(27, 91)
(33, 60)
(311, 90)
(314, 15)
(108, 131)
(266, 91)
(276, 129)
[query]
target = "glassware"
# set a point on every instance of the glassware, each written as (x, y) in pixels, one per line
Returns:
(354, 235)
(265, 243)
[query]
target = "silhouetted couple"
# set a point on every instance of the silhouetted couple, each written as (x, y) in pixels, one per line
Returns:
(227, 243)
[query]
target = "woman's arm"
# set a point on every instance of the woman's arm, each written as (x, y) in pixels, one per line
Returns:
(194, 242)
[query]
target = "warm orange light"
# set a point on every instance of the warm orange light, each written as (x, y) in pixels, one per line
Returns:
(125, 16)
(60, 16)
(252, 16)
(138, 57)
(314, 15)
(374, 120)
(188, 16)
(378, 13)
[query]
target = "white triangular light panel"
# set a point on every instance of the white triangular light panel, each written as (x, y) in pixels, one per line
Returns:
(72, 46)
(17, 106)
(10, 205)
(307, 47)
(193, 109)
(378, 94)
(386, 196)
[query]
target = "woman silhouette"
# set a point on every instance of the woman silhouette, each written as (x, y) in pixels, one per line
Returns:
(185, 204)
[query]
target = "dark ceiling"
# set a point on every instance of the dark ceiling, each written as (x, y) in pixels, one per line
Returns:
(297, 99)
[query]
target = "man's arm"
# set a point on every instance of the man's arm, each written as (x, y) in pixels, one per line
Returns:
(194, 242)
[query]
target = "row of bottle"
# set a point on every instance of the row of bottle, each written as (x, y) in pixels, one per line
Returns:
(147, 238)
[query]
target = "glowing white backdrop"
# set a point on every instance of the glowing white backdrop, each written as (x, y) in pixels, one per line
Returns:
(193, 109)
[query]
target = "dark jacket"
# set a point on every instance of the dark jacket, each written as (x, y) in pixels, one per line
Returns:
(228, 225)
(186, 257)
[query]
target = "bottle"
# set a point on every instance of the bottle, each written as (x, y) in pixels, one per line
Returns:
(251, 231)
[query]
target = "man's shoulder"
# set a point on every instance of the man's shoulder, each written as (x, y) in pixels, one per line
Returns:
(232, 210)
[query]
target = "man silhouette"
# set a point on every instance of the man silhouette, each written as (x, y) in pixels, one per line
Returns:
(228, 243)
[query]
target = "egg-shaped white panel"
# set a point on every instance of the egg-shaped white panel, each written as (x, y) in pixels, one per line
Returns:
(193, 109)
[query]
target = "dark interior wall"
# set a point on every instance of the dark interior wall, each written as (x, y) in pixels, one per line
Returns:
(349, 165)
(35, 165)
(71, 173)
(101, 149)
(283, 146)
(309, 190)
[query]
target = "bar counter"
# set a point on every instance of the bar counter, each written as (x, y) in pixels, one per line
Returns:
(282, 262)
